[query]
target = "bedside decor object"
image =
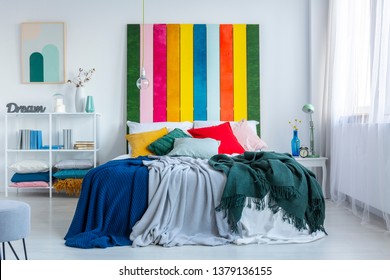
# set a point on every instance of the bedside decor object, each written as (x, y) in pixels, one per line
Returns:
(89, 106)
(303, 152)
(14, 108)
(80, 100)
(295, 142)
(309, 108)
(82, 78)
(67, 138)
(58, 106)
(43, 52)
(143, 82)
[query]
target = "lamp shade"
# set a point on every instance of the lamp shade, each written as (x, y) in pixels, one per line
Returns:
(308, 108)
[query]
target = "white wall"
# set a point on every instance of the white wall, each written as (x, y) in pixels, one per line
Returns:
(96, 33)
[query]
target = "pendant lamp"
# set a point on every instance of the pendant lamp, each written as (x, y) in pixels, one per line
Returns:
(143, 82)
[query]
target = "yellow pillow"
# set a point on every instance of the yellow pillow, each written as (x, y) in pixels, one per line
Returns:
(139, 142)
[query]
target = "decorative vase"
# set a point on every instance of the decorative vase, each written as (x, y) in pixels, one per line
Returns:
(69, 100)
(89, 106)
(80, 100)
(295, 144)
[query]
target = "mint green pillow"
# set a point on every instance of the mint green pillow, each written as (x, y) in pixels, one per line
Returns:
(164, 145)
(203, 148)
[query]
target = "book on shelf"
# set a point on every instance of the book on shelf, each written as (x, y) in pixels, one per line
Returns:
(30, 139)
(53, 147)
(84, 145)
(67, 138)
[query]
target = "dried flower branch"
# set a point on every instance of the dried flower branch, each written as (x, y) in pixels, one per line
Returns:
(295, 124)
(82, 77)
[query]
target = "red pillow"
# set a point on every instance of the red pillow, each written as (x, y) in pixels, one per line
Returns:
(223, 132)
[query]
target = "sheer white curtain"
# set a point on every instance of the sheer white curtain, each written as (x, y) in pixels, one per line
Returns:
(356, 107)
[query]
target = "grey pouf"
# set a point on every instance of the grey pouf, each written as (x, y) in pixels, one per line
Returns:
(14, 223)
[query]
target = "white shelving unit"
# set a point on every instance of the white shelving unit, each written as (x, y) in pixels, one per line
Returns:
(84, 126)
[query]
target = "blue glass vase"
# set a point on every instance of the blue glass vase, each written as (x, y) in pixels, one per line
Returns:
(295, 144)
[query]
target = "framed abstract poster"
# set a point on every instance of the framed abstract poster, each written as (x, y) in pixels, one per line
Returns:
(43, 52)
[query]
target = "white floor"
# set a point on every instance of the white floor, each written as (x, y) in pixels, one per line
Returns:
(347, 239)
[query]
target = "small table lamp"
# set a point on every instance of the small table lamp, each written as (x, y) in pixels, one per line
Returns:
(309, 108)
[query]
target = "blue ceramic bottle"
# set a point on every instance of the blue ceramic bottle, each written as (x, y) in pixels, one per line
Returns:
(295, 144)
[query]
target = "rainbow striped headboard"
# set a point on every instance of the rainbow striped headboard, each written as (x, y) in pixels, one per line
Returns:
(196, 72)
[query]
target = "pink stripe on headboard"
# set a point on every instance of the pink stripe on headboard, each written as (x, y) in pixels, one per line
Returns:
(160, 72)
(146, 98)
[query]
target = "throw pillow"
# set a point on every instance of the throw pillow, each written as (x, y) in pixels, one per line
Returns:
(164, 145)
(29, 177)
(139, 142)
(33, 184)
(70, 173)
(29, 166)
(203, 148)
(74, 164)
(247, 138)
(251, 123)
(223, 132)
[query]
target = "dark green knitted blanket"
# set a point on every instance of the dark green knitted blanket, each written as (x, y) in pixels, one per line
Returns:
(292, 188)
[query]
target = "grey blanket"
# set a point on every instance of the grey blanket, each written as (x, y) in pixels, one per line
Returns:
(183, 195)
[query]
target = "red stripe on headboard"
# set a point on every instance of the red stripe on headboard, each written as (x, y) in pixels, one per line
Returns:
(226, 72)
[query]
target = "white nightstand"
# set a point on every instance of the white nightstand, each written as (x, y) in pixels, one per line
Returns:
(316, 162)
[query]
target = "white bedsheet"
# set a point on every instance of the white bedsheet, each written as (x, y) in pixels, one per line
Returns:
(183, 195)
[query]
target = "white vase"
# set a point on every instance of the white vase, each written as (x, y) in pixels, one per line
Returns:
(80, 100)
(69, 99)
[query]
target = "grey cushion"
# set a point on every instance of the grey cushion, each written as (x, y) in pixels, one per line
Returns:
(14, 220)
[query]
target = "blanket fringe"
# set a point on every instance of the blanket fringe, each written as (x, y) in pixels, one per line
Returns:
(238, 201)
(230, 202)
(291, 219)
(287, 192)
(258, 202)
(315, 214)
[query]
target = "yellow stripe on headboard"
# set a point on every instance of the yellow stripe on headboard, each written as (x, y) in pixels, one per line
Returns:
(186, 72)
(239, 69)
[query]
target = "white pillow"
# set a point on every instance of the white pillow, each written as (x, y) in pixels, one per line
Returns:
(135, 127)
(29, 166)
(203, 148)
(251, 124)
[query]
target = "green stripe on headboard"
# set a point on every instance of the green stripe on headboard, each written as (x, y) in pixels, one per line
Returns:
(253, 72)
(133, 68)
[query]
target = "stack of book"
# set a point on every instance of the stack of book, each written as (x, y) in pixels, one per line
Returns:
(84, 145)
(67, 138)
(30, 139)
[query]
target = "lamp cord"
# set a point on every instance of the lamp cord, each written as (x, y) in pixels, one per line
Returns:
(143, 31)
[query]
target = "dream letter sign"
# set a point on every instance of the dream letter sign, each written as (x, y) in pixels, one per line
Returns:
(14, 108)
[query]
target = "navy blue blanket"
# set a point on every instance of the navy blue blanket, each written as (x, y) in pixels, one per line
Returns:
(113, 198)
